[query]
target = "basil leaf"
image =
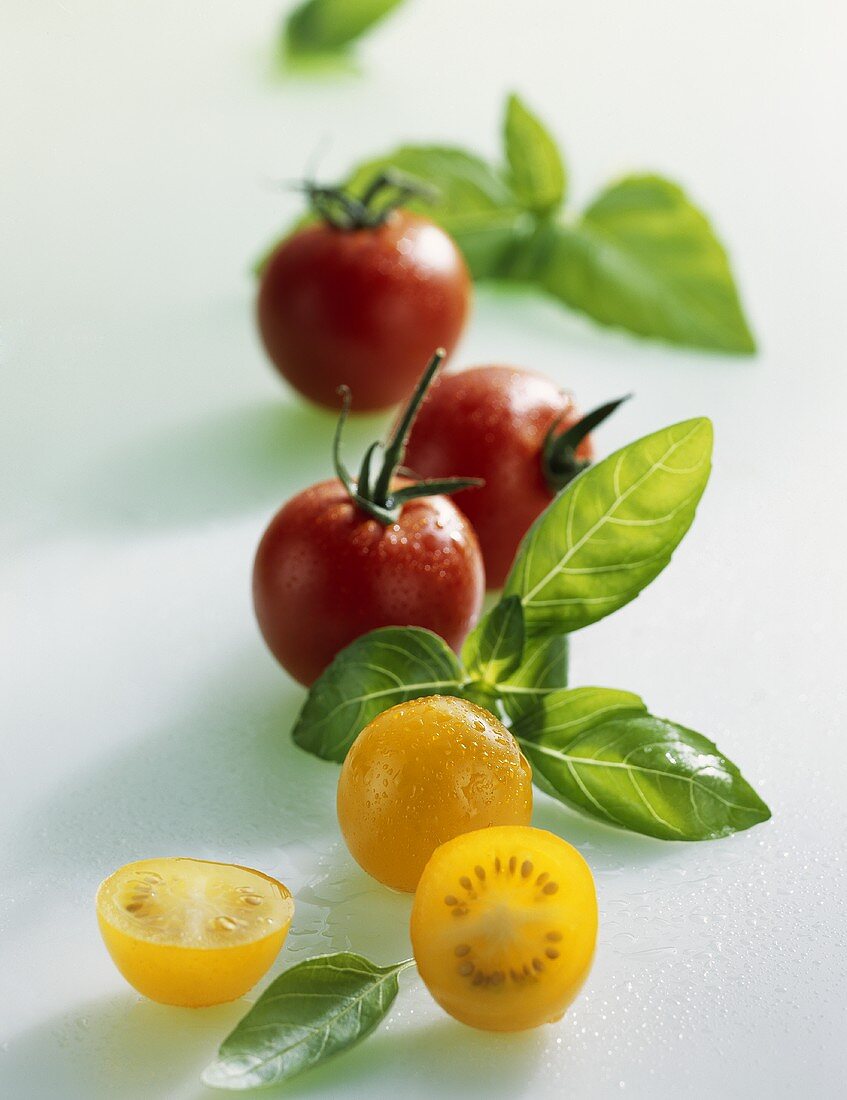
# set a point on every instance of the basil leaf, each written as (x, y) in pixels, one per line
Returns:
(312, 1011)
(644, 774)
(475, 204)
(536, 171)
(543, 669)
(494, 647)
(390, 665)
(612, 530)
(326, 26)
(644, 258)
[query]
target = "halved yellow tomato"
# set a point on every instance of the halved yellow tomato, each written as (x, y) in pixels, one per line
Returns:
(191, 932)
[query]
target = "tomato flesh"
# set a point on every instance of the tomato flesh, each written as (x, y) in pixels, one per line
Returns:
(363, 308)
(421, 773)
(325, 573)
(490, 422)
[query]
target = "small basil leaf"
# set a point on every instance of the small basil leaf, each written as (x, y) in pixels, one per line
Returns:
(647, 775)
(612, 530)
(474, 204)
(326, 26)
(387, 666)
(644, 258)
(494, 647)
(316, 1009)
(536, 171)
(543, 669)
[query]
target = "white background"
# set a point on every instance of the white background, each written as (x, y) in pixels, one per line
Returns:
(146, 443)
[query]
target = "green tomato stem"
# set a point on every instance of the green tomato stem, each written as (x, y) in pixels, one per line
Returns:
(559, 461)
(375, 497)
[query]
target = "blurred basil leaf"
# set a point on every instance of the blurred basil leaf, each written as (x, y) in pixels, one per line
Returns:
(644, 258)
(536, 170)
(327, 26)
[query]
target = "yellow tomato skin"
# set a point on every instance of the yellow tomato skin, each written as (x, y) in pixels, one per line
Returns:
(421, 773)
(192, 977)
(192, 932)
(504, 926)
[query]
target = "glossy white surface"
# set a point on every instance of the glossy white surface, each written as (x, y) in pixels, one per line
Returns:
(145, 444)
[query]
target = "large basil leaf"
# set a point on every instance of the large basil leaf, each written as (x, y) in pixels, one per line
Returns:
(494, 647)
(326, 26)
(543, 669)
(612, 530)
(644, 258)
(561, 716)
(378, 670)
(474, 204)
(316, 1009)
(536, 171)
(644, 774)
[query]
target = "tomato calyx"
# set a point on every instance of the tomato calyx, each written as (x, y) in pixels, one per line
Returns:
(559, 461)
(372, 490)
(387, 191)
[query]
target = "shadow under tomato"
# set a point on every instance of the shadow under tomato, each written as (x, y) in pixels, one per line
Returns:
(605, 847)
(441, 1058)
(121, 1046)
(237, 460)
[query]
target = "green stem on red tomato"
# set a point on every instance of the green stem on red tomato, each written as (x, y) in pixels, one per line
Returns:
(342, 210)
(378, 499)
(559, 460)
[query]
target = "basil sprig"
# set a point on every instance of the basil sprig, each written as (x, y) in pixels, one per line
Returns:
(316, 1009)
(329, 26)
(640, 257)
(596, 546)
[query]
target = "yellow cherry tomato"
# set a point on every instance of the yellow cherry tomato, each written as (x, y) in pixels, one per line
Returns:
(503, 927)
(190, 932)
(421, 773)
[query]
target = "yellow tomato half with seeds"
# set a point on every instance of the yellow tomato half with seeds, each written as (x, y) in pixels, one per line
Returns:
(504, 926)
(191, 932)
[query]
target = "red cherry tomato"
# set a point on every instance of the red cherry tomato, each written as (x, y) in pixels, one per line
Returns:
(345, 557)
(492, 422)
(326, 572)
(362, 307)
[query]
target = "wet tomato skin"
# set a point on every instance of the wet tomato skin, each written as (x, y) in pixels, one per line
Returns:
(325, 573)
(490, 422)
(362, 307)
